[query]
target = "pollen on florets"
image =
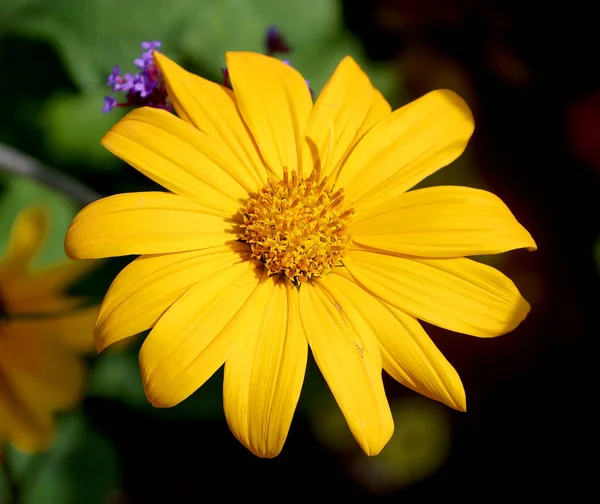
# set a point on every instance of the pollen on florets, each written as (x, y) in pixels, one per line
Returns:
(143, 88)
(297, 227)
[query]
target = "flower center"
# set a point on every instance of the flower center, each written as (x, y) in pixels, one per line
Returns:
(297, 228)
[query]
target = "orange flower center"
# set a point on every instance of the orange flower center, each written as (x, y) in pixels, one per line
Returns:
(297, 228)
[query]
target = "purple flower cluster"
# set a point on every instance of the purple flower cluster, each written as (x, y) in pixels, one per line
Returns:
(144, 88)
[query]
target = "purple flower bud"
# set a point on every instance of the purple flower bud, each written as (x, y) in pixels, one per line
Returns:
(114, 76)
(275, 42)
(140, 62)
(109, 104)
(151, 46)
(145, 85)
(226, 80)
(127, 83)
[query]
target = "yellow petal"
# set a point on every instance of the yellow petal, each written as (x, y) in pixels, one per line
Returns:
(212, 109)
(408, 354)
(443, 221)
(143, 223)
(74, 331)
(401, 150)
(25, 241)
(145, 289)
(27, 430)
(347, 353)
(38, 369)
(264, 375)
(46, 290)
(275, 103)
(179, 157)
(338, 115)
(192, 340)
(457, 294)
(380, 109)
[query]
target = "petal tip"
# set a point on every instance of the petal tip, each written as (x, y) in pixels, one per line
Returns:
(460, 403)
(373, 447)
(455, 101)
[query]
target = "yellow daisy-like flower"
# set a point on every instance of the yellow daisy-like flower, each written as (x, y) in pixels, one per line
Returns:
(288, 225)
(41, 337)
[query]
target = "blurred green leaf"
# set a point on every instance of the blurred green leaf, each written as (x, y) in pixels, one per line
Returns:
(19, 193)
(81, 466)
(420, 444)
(94, 35)
(74, 125)
(117, 376)
(314, 29)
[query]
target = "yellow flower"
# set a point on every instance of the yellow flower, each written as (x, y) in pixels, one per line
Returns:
(288, 225)
(41, 338)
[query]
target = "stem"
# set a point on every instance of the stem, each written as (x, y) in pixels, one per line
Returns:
(18, 163)
(12, 485)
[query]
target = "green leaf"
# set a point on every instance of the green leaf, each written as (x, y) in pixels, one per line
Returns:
(73, 126)
(116, 376)
(81, 466)
(94, 35)
(20, 193)
(314, 29)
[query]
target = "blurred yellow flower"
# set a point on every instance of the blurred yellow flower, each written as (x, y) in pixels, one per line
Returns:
(41, 337)
(288, 225)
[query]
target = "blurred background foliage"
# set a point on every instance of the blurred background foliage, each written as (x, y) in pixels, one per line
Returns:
(529, 76)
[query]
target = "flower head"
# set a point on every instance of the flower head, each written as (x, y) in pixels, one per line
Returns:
(289, 225)
(42, 334)
(144, 88)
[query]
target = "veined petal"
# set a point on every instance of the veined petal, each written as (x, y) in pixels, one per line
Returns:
(275, 103)
(407, 353)
(25, 241)
(145, 289)
(213, 110)
(443, 221)
(380, 109)
(144, 223)
(347, 353)
(264, 375)
(457, 294)
(338, 115)
(179, 157)
(400, 151)
(193, 339)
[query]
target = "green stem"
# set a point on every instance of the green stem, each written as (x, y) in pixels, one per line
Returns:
(18, 163)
